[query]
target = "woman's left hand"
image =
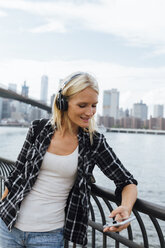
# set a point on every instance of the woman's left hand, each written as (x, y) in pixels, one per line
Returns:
(118, 214)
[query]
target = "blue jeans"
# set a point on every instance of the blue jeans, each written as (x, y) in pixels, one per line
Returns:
(19, 239)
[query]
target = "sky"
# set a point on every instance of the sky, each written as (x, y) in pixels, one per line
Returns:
(120, 42)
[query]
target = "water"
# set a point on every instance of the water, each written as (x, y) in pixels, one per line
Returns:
(143, 155)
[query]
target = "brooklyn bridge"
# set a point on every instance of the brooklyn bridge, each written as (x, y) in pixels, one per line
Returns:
(6, 93)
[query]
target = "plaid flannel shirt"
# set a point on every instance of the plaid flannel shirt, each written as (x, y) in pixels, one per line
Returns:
(27, 168)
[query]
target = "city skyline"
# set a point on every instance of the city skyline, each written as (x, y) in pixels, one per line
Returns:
(150, 112)
(123, 48)
(15, 113)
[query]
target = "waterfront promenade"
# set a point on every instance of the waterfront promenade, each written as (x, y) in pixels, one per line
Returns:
(131, 130)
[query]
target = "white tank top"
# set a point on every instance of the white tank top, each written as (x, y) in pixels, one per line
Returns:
(43, 208)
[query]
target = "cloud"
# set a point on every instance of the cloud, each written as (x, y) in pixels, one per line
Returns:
(51, 26)
(159, 51)
(3, 14)
(139, 22)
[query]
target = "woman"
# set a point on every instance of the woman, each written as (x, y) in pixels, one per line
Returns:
(47, 195)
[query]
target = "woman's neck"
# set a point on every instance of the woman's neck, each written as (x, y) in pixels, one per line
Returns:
(65, 131)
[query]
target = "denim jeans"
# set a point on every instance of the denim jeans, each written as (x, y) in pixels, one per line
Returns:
(19, 239)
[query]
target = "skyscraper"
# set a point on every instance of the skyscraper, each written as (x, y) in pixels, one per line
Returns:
(0, 108)
(158, 111)
(140, 110)
(111, 103)
(25, 90)
(44, 89)
(52, 100)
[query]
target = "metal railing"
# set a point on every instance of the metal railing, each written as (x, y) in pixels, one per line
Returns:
(148, 228)
(146, 231)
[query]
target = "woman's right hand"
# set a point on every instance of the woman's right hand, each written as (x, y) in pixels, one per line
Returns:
(5, 193)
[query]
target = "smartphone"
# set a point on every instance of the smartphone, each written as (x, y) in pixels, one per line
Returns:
(123, 222)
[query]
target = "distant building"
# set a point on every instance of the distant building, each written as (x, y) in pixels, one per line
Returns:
(13, 105)
(140, 110)
(131, 122)
(106, 121)
(44, 89)
(146, 124)
(126, 122)
(157, 123)
(158, 111)
(137, 123)
(52, 100)
(6, 110)
(153, 123)
(162, 123)
(123, 113)
(127, 113)
(25, 90)
(34, 114)
(23, 106)
(111, 103)
(0, 108)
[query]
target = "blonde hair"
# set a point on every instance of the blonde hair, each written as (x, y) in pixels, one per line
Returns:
(74, 84)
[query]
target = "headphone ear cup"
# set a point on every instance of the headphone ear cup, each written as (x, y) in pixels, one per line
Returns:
(62, 102)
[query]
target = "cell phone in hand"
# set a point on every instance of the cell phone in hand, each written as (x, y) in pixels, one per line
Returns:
(117, 223)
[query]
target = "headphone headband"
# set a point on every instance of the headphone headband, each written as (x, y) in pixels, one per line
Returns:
(72, 77)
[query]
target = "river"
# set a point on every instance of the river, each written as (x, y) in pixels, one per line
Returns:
(142, 154)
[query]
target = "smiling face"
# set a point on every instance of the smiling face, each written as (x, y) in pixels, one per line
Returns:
(82, 107)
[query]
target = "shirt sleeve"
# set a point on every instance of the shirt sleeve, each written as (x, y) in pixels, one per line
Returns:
(111, 166)
(21, 159)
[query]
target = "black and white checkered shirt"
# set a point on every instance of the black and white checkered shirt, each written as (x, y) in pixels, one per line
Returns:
(28, 164)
